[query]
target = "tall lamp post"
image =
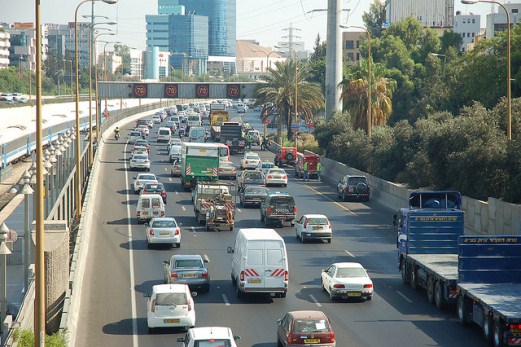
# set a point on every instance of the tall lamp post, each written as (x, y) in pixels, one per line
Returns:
(4, 251)
(509, 86)
(77, 186)
(105, 67)
(369, 79)
(444, 60)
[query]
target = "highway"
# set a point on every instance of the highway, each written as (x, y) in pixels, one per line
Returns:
(121, 268)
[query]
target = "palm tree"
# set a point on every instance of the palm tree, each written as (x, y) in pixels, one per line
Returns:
(355, 90)
(279, 91)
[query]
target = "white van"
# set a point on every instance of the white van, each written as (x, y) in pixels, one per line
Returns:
(149, 206)
(259, 263)
(164, 134)
(175, 152)
(197, 134)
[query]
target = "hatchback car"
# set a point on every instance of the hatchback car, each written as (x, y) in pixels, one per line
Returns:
(140, 161)
(175, 141)
(228, 170)
(253, 195)
(170, 306)
(305, 328)
(139, 150)
(276, 176)
(347, 281)
(209, 337)
(155, 188)
(157, 119)
(134, 136)
(141, 179)
(313, 227)
(163, 230)
(250, 161)
(187, 269)
(250, 177)
(143, 143)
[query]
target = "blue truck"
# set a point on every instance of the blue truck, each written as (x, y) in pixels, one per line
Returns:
(489, 286)
(427, 241)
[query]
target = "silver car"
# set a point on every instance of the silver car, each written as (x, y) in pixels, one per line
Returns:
(140, 161)
(163, 230)
(187, 269)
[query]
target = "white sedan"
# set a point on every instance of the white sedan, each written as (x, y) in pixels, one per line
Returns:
(141, 179)
(169, 306)
(347, 281)
(276, 176)
(209, 336)
(163, 230)
(250, 161)
(313, 227)
(140, 161)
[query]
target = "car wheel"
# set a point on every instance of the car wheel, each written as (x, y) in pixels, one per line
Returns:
(463, 310)
(498, 334)
(488, 327)
(279, 344)
(322, 286)
(149, 245)
(297, 235)
(404, 272)
(151, 330)
(302, 238)
(178, 245)
(238, 292)
(438, 295)
(283, 295)
(262, 218)
(430, 289)
(231, 227)
(414, 279)
(369, 298)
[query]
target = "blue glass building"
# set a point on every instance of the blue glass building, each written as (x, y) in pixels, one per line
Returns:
(189, 43)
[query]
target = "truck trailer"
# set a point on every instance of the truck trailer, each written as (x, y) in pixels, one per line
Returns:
(199, 162)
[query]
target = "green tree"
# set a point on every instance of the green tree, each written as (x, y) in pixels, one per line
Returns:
(450, 39)
(319, 51)
(124, 52)
(375, 18)
(280, 90)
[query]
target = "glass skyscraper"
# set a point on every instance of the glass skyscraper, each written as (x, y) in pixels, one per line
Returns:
(222, 24)
(189, 43)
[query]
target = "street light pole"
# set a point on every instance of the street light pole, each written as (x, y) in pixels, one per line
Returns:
(509, 72)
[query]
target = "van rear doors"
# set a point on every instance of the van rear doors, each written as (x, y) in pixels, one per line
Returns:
(265, 269)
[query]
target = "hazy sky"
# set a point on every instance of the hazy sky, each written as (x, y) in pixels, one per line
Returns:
(261, 20)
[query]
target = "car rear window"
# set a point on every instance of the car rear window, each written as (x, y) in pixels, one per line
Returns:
(156, 202)
(167, 299)
(255, 190)
(277, 171)
(212, 343)
(147, 177)
(350, 272)
(188, 263)
(317, 221)
(140, 156)
(164, 132)
(135, 133)
(253, 175)
(252, 157)
(154, 187)
(356, 180)
(145, 203)
(163, 224)
(306, 326)
(267, 165)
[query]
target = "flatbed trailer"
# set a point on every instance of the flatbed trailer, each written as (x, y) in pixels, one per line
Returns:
(489, 288)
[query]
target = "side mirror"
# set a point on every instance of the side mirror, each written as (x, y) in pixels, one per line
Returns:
(279, 321)
(394, 219)
(206, 261)
(181, 339)
(166, 262)
(236, 338)
(229, 250)
(194, 294)
(323, 270)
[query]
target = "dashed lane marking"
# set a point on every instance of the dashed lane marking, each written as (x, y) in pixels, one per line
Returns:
(350, 254)
(184, 208)
(333, 201)
(404, 297)
(225, 299)
(315, 300)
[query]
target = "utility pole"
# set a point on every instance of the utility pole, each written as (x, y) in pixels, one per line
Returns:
(333, 57)
(291, 36)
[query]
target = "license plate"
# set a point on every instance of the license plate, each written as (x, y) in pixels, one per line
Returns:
(282, 218)
(317, 228)
(145, 212)
(254, 280)
(354, 294)
(311, 340)
(189, 275)
(165, 234)
(167, 321)
(277, 177)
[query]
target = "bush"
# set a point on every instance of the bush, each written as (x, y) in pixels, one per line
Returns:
(25, 338)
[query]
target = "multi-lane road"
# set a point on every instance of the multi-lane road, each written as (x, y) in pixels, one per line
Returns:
(121, 269)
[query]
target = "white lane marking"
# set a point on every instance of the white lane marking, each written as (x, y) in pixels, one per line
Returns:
(166, 169)
(350, 254)
(184, 208)
(404, 297)
(315, 300)
(225, 298)
(170, 179)
(135, 341)
(333, 201)
(176, 192)
(193, 229)
(205, 257)
(238, 210)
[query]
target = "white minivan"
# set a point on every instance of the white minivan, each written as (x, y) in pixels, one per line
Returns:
(259, 263)
(164, 134)
(149, 206)
(197, 134)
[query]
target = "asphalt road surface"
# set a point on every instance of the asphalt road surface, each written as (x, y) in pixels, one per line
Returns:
(121, 269)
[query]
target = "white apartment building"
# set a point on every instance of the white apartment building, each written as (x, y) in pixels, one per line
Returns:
(4, 48)
(497, 22)
(62, 42)
(253, 60)
(430, 13)
(136, 63)
(468, 26)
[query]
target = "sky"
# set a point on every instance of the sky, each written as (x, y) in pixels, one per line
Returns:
(260, 20)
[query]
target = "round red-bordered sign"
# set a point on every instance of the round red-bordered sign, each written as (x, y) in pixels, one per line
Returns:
(233, 90)
(140, 90)
(171, 90)
(202, 90)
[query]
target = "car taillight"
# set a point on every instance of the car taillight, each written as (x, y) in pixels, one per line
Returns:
(284, 177)
(220, 170)
(151, 232)
(332, 336)
(294, 210)
(153, 306)
(338, 286)
(177, 231)
(242, 276)
(292, 337)
(368, 285)
(138, 213)
(163, 193)
(286, 276)
(204, 274)
(515, 326)
(234, 170)
(173, 275)
(269, 176)
(245, 162)
(269, 210)
(189, 306)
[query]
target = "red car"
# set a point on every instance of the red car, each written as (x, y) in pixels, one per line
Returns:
(305, 328)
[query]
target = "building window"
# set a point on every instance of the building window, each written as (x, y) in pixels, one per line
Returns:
(515, 10)
(464, 21)
(357, 56)
(468, 34)
(350, 44)
(357, 44)
(350, 56)
(473, 20)
(473, 34)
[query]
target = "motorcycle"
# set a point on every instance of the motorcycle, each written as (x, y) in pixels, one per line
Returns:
(116, 136)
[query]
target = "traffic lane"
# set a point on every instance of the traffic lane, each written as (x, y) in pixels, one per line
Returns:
(105, 316)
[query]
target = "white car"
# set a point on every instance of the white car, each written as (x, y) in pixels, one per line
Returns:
(133, 136)
(139, 150)
(347, 281)
(144, 129)
(142, 179)
(140, 161)
(170, 306)
(156, 118)
(250, 161)
(276, 176)
(163, 230)
(209, 336)
(175, 141)
(313, 227)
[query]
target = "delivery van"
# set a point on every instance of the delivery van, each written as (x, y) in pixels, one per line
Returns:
(259, 263)
(164, 134)
(149, 206)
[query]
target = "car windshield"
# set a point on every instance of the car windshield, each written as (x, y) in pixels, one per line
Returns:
(277, 171)
(301, 326)
(252, 157)
(317, 221)
(349, 272)
(135, 133)
(154, 186)
(212, 343)
(188, 263)
(267, 165)
(170, 223)
(167, 299)
(147, 177)
(281, 203)
(255, 190)
(141, 142)
(356, 180)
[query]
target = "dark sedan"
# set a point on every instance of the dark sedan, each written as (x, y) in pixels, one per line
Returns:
(253, 195)
(155, 188)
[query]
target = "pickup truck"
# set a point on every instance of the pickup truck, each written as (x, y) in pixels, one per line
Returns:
(278, 207)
